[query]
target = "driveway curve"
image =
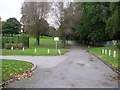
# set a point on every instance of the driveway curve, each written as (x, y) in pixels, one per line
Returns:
(75, 69)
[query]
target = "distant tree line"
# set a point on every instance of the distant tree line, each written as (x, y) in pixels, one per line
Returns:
(90, 23)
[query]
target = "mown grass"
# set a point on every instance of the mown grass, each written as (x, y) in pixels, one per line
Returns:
(41, 50)
(110, 59)
(11, 68)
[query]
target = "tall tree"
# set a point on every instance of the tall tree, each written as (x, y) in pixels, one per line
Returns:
(112, 28)
(33, 19)
(92, 28)
(59, 15)
(67, 18)
(52, 31)
(11, 26)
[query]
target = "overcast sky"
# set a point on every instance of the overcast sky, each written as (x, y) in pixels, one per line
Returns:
(10, 8)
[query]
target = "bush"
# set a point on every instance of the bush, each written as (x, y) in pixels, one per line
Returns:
(15, 46)
(118, 46)
(1, 45)
(8, 45)
(25, 40)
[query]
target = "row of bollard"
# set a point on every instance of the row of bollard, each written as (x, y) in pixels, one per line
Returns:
(109, 52)
(59, 52)
(35, 50)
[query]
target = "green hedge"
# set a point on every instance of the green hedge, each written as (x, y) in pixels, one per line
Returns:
(118, 46)
(24, 39)
(15, 39)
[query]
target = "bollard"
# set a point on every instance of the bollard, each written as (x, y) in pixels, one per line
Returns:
(114, 54)
(35, 50)
(105, 52)
(48, 51)
(23, 48)
(59, 52)
(88, 46)
(11, 48)
(102, 51)
(109, 52)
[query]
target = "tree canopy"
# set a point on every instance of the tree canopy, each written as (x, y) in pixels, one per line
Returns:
(11, 26)
(99, 23)
(33, 19)
(91, 23)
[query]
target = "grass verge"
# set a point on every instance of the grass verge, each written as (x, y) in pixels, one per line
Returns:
(11, 68)
(41, 50)
(110, 59)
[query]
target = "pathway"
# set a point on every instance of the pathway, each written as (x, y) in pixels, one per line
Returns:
(75, 69)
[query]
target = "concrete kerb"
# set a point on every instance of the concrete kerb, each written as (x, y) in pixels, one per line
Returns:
(15, 78)
(108, 64)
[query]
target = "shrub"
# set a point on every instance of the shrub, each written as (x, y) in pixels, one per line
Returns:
(20, 46)
(118, 46)
(1, 45)
(25, 40)
(8, 45)
(15, 46)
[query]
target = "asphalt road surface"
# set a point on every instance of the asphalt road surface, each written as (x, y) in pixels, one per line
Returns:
(75, 69)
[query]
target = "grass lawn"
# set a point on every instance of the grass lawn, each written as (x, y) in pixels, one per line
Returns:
(110, 59)
(11, 68)
(41, 50)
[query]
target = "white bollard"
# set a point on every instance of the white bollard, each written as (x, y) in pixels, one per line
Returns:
(102, 51)
(11, 48)
(59, 52)
(105, 52)
(48, 51)
(109, 52)
(88, 46)
(35, 50)
(23, 48)
(114, 54)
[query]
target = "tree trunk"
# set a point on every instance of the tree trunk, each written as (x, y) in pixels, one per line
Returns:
(63, 42)
(38, 39)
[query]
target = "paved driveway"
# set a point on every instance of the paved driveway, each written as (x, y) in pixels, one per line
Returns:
(75, 69)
